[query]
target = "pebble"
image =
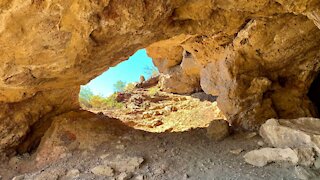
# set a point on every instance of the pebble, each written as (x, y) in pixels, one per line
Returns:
(102, 170)
(218, 130)
(251, 135)
(139, 177)
(104, 156)
(73, 173)
(124, 176)
(120, 147)
(125, 164)
(260, 143)
(236, 151)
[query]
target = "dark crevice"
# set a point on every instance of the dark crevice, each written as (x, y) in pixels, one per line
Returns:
(314, 92)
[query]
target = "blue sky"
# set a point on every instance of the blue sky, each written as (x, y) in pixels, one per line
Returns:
(127, 71)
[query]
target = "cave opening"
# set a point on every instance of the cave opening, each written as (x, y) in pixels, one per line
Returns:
(131, 92)
(118, 79)
(314, 92)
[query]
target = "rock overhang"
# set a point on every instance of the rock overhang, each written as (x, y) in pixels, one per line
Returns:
(260, 57)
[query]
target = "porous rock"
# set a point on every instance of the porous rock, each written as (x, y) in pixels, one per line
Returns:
(259, 57)
(262, 157)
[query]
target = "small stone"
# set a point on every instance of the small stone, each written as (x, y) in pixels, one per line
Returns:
(146, 114)
(186, 176)
(138, 177)
(158, 113)
(102, 170)
(21, 177)
(104, 156)
(264, 156)
(174, 108)
(73, 173)
(218, 130)
(120, 146)
(236, 151)
(167, 108)
(65, 155)
(124, 176)
(251, 135)
(159, 171)
(158, 123)
(260, 143)
(125, 164)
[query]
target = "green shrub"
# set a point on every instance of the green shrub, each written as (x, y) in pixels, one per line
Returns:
(97, 101)
(84, 96)
(100, 102)
(130, 87)
(153, 90)
(119, 86)
(111, 102)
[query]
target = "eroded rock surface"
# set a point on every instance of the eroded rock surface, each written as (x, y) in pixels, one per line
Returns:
(264, 156)
(74, 131)
(294, 140)
(260, 57)
(292, 133)
(263, 71)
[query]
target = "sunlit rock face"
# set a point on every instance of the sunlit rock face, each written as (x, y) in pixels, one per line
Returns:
(263, 70)
(260, 57)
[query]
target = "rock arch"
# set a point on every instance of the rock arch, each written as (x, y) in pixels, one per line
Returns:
(259, 57)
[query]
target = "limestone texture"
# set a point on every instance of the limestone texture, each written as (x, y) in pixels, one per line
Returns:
(264, 156)
(292, 133)
(259, 57)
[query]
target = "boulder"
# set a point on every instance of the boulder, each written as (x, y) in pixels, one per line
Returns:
(262, 157)
(293, 133)
(153, 81)
(280, 136)
(177, 81)
(69, 132)
(218, 129)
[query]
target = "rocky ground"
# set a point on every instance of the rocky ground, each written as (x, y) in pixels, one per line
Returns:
(156, 136)
(155, 111)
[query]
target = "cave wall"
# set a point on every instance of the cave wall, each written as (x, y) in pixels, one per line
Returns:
(227, 48)
(262, 71)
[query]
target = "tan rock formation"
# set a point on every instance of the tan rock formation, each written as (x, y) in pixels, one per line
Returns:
(260, 57)
(265, 71)
(69, 132)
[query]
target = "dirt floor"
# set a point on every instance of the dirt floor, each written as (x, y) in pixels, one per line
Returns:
(178, 150)
(184, 155)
